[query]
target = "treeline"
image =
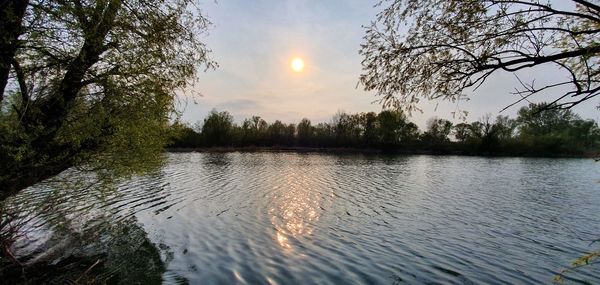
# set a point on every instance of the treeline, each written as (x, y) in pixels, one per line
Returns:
(534, 132)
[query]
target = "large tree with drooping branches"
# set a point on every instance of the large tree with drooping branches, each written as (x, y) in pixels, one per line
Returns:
(91, 83)
(442, 49)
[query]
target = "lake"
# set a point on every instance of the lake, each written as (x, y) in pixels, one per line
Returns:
(309, 218)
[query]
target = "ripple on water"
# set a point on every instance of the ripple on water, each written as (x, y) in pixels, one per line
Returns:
(284, 218)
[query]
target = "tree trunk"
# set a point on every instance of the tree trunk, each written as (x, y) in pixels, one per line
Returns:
(51, 156)
(11, 16)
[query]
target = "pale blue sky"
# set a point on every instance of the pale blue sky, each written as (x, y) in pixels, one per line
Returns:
(254, 42)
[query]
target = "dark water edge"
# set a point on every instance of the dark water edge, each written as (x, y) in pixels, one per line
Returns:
(112, 252)
(387, 151)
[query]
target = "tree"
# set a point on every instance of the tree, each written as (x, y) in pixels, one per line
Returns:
(437, 130)
(391, 123)
(535, 122)
(547, 133)
(453, 46)
(11, 16)
(490, 133)
(305, 132)
(504, 128)
(277, 133)
(92, 83)
(254, 131)
(370, 126)
(182, 135)
(325, 134)
(290, 134)
(462, 132)
(585, 134)
(409, 132)
(217, 128)
(347, 128)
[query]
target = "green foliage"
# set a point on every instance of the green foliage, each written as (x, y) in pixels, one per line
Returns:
(347, 129)
(95, 86)
(390, 125)
(440, 50)
(532, 133)
(370, 124)
(437, 130)
(217, 128)
(306, 132)
(184, 135)
(254, 131)
(556, 131)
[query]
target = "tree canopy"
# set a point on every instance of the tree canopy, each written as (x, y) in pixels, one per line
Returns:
(533, 132)
(91, 83)
(433, 49)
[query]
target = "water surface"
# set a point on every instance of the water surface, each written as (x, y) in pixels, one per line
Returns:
(286, 218)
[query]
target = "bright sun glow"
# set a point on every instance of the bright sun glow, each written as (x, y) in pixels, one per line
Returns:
(297, 64)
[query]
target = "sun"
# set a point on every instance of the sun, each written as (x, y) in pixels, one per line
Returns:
(297, 64)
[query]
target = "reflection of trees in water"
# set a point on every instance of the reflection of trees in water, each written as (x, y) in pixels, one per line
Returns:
(116, 253)
(74, 237)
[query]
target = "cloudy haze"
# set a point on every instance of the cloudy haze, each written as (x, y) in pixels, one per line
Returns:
(254, 42)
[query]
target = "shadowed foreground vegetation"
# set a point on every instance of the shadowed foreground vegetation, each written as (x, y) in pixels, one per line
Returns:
(74, 245)
(119, 253)
(536, 131)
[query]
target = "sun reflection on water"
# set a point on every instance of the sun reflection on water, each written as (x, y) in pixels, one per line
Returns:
(296, 208)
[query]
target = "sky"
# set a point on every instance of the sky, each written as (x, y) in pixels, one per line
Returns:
(255, 41)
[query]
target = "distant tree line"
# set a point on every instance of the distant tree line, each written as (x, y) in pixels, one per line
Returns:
(536, 131)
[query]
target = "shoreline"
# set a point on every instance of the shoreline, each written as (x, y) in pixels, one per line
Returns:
(276, 149)
(352, 150)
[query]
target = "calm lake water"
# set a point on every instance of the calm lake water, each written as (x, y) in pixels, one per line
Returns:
(287, 218)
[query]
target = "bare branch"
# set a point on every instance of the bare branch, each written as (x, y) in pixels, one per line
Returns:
(454, 46)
